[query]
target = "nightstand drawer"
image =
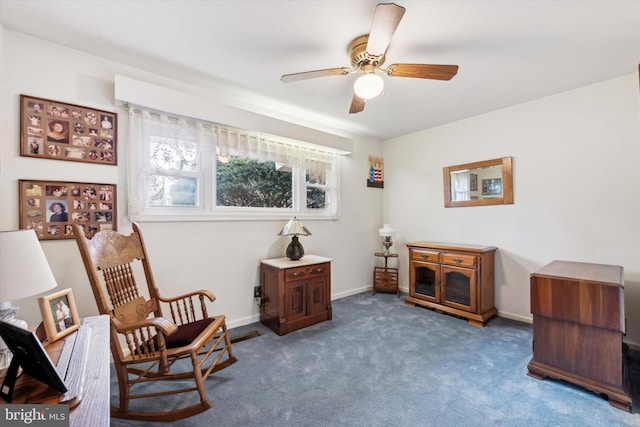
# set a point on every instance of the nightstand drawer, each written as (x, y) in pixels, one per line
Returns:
(306, 271)
(459, 259)
(295, 273)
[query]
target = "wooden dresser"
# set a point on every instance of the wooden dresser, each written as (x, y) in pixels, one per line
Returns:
(454, 279)
(578, 325)
(295, 294)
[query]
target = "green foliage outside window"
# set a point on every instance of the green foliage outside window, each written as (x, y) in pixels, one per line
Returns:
(250, 183)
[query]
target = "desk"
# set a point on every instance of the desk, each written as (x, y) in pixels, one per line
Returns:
(93, 407)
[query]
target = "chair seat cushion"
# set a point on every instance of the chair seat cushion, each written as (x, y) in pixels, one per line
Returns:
(187, 333)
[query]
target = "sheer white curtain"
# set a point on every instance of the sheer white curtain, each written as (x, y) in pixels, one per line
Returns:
(170, 146)
(231, 142)
(164, 146)
(460, 188)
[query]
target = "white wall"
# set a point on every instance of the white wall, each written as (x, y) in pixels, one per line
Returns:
(220, 256)
(575, 171)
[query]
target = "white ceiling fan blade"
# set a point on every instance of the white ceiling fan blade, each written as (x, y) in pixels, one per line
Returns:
(385, 22)
(287, 78)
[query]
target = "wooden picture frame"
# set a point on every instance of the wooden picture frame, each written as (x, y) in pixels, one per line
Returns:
(59, 131)
(59, 314)
(51, 207)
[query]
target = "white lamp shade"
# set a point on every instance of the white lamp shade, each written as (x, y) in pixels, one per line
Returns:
(386, 230)
(24, 269)
(368, 86)
(294, 228)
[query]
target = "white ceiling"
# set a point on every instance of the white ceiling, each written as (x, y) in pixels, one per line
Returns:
(508, 51)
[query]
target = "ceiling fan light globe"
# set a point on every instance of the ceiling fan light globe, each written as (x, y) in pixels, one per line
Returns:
(368, 86)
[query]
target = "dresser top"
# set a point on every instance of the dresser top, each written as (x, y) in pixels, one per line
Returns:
(603, 273)
(285, 262)
(452, 246)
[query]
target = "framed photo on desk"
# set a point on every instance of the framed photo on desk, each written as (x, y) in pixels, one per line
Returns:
(59, 314)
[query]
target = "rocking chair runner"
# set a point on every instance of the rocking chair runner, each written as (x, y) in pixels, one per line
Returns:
(145, 344)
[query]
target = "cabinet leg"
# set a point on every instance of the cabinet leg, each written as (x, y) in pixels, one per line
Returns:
(625, 406)
(476, 322)
(535, 375)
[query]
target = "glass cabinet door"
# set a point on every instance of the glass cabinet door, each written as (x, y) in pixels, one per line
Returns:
(459, 288)
(425, 280)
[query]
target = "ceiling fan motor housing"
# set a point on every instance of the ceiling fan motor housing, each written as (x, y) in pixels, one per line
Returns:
(359, 56)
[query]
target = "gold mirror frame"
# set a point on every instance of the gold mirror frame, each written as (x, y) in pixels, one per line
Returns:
(507, 183)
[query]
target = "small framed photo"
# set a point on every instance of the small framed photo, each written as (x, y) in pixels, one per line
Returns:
(59, 314)
(473, 182)
(492, 187)
(51, 207)
(55, 130)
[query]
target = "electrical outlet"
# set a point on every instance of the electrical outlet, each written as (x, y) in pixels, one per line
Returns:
(256, 292)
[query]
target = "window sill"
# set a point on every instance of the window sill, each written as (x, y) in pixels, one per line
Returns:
(237, 216)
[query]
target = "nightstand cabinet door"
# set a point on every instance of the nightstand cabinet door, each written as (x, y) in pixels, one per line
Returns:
(316, 295)
(295, 294)
(294, 300)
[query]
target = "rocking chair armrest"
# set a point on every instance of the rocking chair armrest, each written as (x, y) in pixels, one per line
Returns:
(202, 292)
(163, 324)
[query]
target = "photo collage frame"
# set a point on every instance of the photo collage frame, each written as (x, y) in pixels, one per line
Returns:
(59, 131)
(51, 207)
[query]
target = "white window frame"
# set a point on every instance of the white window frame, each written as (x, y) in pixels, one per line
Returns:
(139, 170)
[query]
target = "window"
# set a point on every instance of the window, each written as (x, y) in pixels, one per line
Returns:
(249, 183)
(184, 170)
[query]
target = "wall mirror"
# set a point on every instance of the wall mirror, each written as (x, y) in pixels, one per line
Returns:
(489, 182)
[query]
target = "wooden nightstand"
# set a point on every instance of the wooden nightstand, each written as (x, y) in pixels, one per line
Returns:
(295, 294)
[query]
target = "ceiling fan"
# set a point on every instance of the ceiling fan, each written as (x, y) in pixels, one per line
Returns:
(368, 53)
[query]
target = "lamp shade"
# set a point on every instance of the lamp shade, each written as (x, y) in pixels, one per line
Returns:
(368, 86)
(294, 228)
(386, 230)
(24, 269)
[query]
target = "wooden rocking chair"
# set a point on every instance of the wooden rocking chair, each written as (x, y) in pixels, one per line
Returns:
(145, 344)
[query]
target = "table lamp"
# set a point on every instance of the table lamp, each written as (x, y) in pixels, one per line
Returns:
(294, 228)
(24, 271)
(386, 232)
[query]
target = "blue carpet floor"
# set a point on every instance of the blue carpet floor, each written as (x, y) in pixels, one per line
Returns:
(380, 362)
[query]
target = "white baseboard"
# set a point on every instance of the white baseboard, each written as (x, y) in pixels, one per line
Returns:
(244, 321)
(517, 317)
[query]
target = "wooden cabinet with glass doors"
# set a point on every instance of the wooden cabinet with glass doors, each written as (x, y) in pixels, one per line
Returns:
(452, 279)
